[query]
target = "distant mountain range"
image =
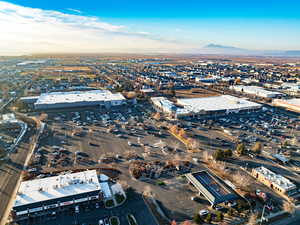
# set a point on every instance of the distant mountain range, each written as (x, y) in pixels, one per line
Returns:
(231, 50)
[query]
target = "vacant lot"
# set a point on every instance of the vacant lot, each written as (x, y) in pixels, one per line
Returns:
(195, 93)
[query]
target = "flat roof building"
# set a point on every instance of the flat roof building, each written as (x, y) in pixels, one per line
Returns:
(275, 181)
(257, 91)
(223, 104)
(54, 100)
(58, 191)
(290, 104)
(211, 187)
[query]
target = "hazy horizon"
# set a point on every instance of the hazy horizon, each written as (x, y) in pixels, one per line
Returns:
(34, 27)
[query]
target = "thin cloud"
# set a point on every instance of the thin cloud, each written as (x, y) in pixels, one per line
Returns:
(74, 10)
(31, 30)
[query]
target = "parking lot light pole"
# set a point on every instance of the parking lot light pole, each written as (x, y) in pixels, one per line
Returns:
(262, 215)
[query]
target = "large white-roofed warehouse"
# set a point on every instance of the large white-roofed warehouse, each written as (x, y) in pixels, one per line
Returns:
(43, 195)
(55, 100)
(223, 104)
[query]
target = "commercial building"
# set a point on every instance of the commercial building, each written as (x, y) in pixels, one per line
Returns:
(291, 88)
(223, 104)
(42, 195)
(211, 187)
(290, 104)
(275, 181)
(54, 100)
(257, 91)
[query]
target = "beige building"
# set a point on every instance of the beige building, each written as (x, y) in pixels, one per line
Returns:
(277, 182)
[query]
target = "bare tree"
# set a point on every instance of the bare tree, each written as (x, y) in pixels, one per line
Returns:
(174, 129)
(175, 146)
(241, 180)
(252, 219)
(206, 156)
(289, 207)
(157, 116)
(131, 94)
(182, 132)
(193, 144)
(43, 116)
(124, 184)
(148, 191)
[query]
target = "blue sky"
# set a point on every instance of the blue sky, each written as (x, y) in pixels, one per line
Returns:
(165, 24)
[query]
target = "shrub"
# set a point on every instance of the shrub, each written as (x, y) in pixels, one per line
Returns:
(109, 203)
(218, 155)
(230, 212)
(208, 218)
(119, 198)
(219, 216)
(114, 221)
(197, 219)
(161, 183)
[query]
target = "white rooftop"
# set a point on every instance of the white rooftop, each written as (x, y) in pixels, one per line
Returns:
(216, 103)
(57, 187)
(255, 90)
(277, 179)
(293, 101)
(78, 96)
(8, 117)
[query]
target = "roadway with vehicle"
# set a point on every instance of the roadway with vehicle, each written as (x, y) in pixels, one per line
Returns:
(11, 171)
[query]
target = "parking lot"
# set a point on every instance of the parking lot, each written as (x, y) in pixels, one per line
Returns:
(89, 137)
(85, 138)
(90, 215)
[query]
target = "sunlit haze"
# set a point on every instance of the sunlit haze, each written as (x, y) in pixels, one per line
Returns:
(172, 26)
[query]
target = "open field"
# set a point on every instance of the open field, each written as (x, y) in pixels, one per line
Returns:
(68, 68)
(195, 93)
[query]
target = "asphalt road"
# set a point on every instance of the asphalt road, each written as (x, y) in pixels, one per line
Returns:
(134, 205)
(10, 173)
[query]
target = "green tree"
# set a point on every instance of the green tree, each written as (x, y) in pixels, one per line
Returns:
(228, 153)
(285, 144)
(218, 155)
(230, 212)
(241, 149)
(257, 148)
(197, 219)
(219, 216)
(208, 218)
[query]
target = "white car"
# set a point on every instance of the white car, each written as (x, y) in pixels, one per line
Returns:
(101, 222)
(76, 209)
(203, 212)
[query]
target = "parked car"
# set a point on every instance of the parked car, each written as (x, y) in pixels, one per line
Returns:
(203, 212)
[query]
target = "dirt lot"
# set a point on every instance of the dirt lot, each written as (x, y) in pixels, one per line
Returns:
(195, 93)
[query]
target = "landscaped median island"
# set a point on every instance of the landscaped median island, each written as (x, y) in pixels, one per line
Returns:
(109, 203)
(131, 219)
(114, 220)
(120, 198)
